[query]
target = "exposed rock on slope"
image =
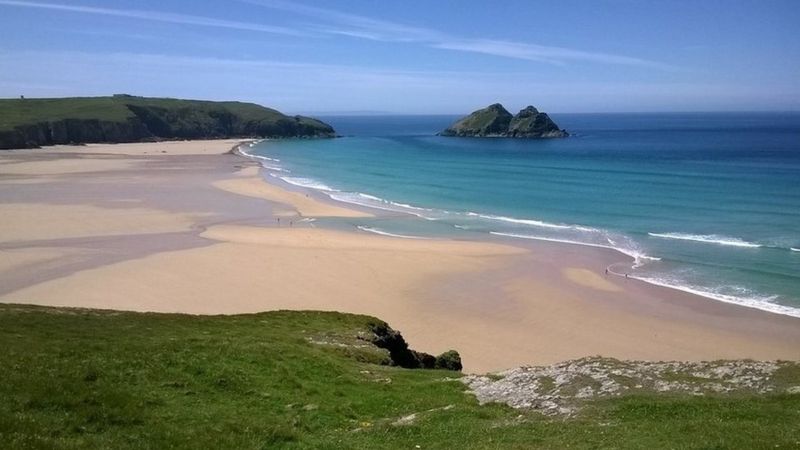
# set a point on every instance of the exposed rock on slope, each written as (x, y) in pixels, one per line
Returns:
(496, 121)
(560, 389)
(399, 353)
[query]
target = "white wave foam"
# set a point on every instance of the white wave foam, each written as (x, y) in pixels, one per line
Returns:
(794, 249)
(360, 199)
(263, 159)
(370, 201)
(707, 238)
(764, 303)
(532, 222)
(635, 254)
(386, 233)
(259, 157)
(244, 152)
(406, 205)
(308, 183)
(275, 168)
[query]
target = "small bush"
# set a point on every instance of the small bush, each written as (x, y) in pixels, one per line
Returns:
(449, 360)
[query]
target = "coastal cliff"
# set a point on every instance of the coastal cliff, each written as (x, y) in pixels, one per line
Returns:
(496, 121)
(30, 123)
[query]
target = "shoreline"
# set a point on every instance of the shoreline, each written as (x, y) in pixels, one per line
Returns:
(515, 240)
(216, 241)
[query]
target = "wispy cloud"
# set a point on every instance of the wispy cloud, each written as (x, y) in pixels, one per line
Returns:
(156, 16)
(356, 26)
(542, 53)
(333, 22)
(295, 87)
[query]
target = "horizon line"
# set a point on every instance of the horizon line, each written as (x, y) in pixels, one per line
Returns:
(356, 113)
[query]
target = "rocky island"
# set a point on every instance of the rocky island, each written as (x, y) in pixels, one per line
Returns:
(30, 123)
(496, 121)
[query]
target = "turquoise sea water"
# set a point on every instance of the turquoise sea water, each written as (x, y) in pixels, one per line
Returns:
(708, 203)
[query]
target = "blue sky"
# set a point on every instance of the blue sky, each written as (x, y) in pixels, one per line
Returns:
(411, 56)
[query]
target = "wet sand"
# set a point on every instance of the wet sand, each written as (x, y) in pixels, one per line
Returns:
(189, 227)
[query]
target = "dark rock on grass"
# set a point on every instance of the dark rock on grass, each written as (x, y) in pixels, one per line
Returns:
(400, 355)
(530, 123)
(449, 360)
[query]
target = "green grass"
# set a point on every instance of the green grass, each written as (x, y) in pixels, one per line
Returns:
(88, 379)
(35, 122)
(492, 119)
(15, 112)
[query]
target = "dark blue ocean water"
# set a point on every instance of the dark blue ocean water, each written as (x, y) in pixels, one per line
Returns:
(705, 202)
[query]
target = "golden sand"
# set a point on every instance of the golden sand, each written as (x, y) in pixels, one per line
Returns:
(500, 306)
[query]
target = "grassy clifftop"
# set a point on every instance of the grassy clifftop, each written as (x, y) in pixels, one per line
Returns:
(100, 379)
(124, 118)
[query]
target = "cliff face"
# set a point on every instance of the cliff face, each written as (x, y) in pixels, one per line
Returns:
(188, 123)
(76, 131)
(496, 121)
(37, 122)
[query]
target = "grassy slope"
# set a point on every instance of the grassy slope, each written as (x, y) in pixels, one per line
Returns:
(485, 120)
(77, 379)
(14, 112)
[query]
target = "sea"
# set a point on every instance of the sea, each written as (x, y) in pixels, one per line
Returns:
(707, 203)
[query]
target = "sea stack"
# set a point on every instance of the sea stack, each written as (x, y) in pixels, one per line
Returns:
(496, 121)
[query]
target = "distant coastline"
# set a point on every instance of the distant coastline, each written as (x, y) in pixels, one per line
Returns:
(30, 123)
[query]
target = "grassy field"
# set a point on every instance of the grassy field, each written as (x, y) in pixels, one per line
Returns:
(14, 112)
(88, 379)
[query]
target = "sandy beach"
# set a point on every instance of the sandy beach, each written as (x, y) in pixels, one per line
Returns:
(190, 227)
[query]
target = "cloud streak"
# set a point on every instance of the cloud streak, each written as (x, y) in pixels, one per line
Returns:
(155, 16)
(295, 86)
(362, 27)
(541, 53)
(333, 22)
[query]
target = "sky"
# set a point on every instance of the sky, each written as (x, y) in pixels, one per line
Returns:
(411, 56)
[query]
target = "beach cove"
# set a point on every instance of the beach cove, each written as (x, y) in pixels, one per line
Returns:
(191, 227)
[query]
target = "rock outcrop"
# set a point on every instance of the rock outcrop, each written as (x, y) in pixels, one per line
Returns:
(400, 355)
(563, 388)
(496, 121)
